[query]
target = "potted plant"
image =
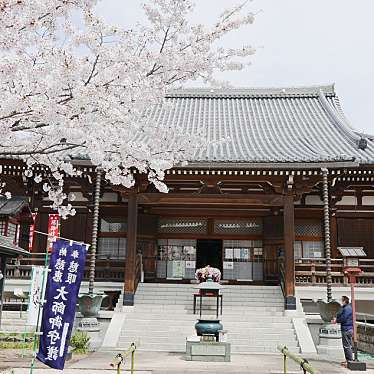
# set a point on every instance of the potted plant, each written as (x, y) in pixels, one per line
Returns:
(208, 273)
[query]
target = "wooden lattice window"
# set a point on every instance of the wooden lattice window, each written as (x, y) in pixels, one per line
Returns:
(309, 249)
(112, 224)
(308, 228)
(2, 227)
(111, 248)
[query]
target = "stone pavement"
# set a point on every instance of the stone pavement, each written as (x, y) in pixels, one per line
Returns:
(170, 363)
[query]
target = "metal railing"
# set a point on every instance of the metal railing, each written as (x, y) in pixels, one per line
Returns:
(120, 359)
(304, 364)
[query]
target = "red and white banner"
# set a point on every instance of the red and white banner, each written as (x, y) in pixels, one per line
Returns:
(53, 229)
(31, 234)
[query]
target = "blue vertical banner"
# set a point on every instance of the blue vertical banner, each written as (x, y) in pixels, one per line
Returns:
(65, 274)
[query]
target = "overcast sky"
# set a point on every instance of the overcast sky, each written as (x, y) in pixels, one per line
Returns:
(299, 42)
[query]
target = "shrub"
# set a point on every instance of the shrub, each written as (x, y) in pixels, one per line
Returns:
(80, 342)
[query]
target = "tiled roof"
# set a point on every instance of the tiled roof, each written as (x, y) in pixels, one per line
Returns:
(281, 125)
(12, 206)
(9, 249)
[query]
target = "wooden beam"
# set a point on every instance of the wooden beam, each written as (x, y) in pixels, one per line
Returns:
(214, 212)
(132, 228)
(289, 239)
(210, 199)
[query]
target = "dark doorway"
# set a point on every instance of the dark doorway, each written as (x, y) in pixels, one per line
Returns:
(209, 252)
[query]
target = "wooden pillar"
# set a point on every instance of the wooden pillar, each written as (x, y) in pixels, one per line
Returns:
(289, 240)
(132, 224)
(3, 261)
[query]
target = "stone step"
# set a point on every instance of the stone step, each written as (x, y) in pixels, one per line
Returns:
(246, 327)
(243, 315)
(239, 346)
(181, 347)
(182, 308)
(223, 292)
(190, 296)
(238, 338)
(252, 315)
(181, 287)
(259, 349)
(189, 302)
(193, 317)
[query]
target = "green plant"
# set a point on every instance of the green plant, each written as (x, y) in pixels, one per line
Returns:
(80, 342)
(15, 345)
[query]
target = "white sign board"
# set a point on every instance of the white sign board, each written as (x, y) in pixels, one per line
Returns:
(35, 295)
(190, 264)
(178, 269)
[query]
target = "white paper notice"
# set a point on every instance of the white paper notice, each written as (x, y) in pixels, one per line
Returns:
(229, 253)
(244, 253)
(178, 269)
(228, 265)
(237, 253)
(190, 264)
(35, 295)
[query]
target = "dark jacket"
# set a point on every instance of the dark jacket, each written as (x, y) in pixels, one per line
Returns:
(344, 317)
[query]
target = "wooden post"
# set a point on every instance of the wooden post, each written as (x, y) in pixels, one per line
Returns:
(313, 272)
(132, 224)
(289, 240)
(3, 261)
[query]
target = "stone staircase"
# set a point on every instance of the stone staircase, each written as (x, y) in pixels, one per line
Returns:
(162, 318)
(12, 322)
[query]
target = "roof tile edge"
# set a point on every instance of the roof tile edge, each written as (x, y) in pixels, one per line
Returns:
(305, 91)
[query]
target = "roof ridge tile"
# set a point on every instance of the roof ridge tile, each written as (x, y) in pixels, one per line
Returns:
(259, 92)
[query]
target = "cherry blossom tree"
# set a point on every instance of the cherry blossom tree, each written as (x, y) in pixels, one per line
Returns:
(73, 86)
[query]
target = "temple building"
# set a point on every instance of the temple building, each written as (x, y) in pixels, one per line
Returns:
(291, 182)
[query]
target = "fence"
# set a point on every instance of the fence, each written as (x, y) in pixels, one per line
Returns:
(304, 364)
(110, 270)
(120, 359)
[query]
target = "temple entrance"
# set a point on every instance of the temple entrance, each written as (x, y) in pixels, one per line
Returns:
(209, 252)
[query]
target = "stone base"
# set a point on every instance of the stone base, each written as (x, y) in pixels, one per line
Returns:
(208, 351)
(89, 324)
(330, 342)
(356, 366)
(290, 303)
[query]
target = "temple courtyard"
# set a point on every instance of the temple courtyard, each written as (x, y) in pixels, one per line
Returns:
(161, 363)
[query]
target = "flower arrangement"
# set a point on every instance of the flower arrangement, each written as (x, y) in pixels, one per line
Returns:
(208, 272)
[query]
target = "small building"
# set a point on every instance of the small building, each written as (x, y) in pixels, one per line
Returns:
(284, 180)
(15, 220)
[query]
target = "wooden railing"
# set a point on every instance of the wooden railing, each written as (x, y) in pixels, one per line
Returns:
(307, 271)
(313, 272)
(107, 270)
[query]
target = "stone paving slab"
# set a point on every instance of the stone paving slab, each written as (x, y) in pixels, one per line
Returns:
(169, 363)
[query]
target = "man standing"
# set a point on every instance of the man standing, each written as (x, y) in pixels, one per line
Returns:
(344, 317)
